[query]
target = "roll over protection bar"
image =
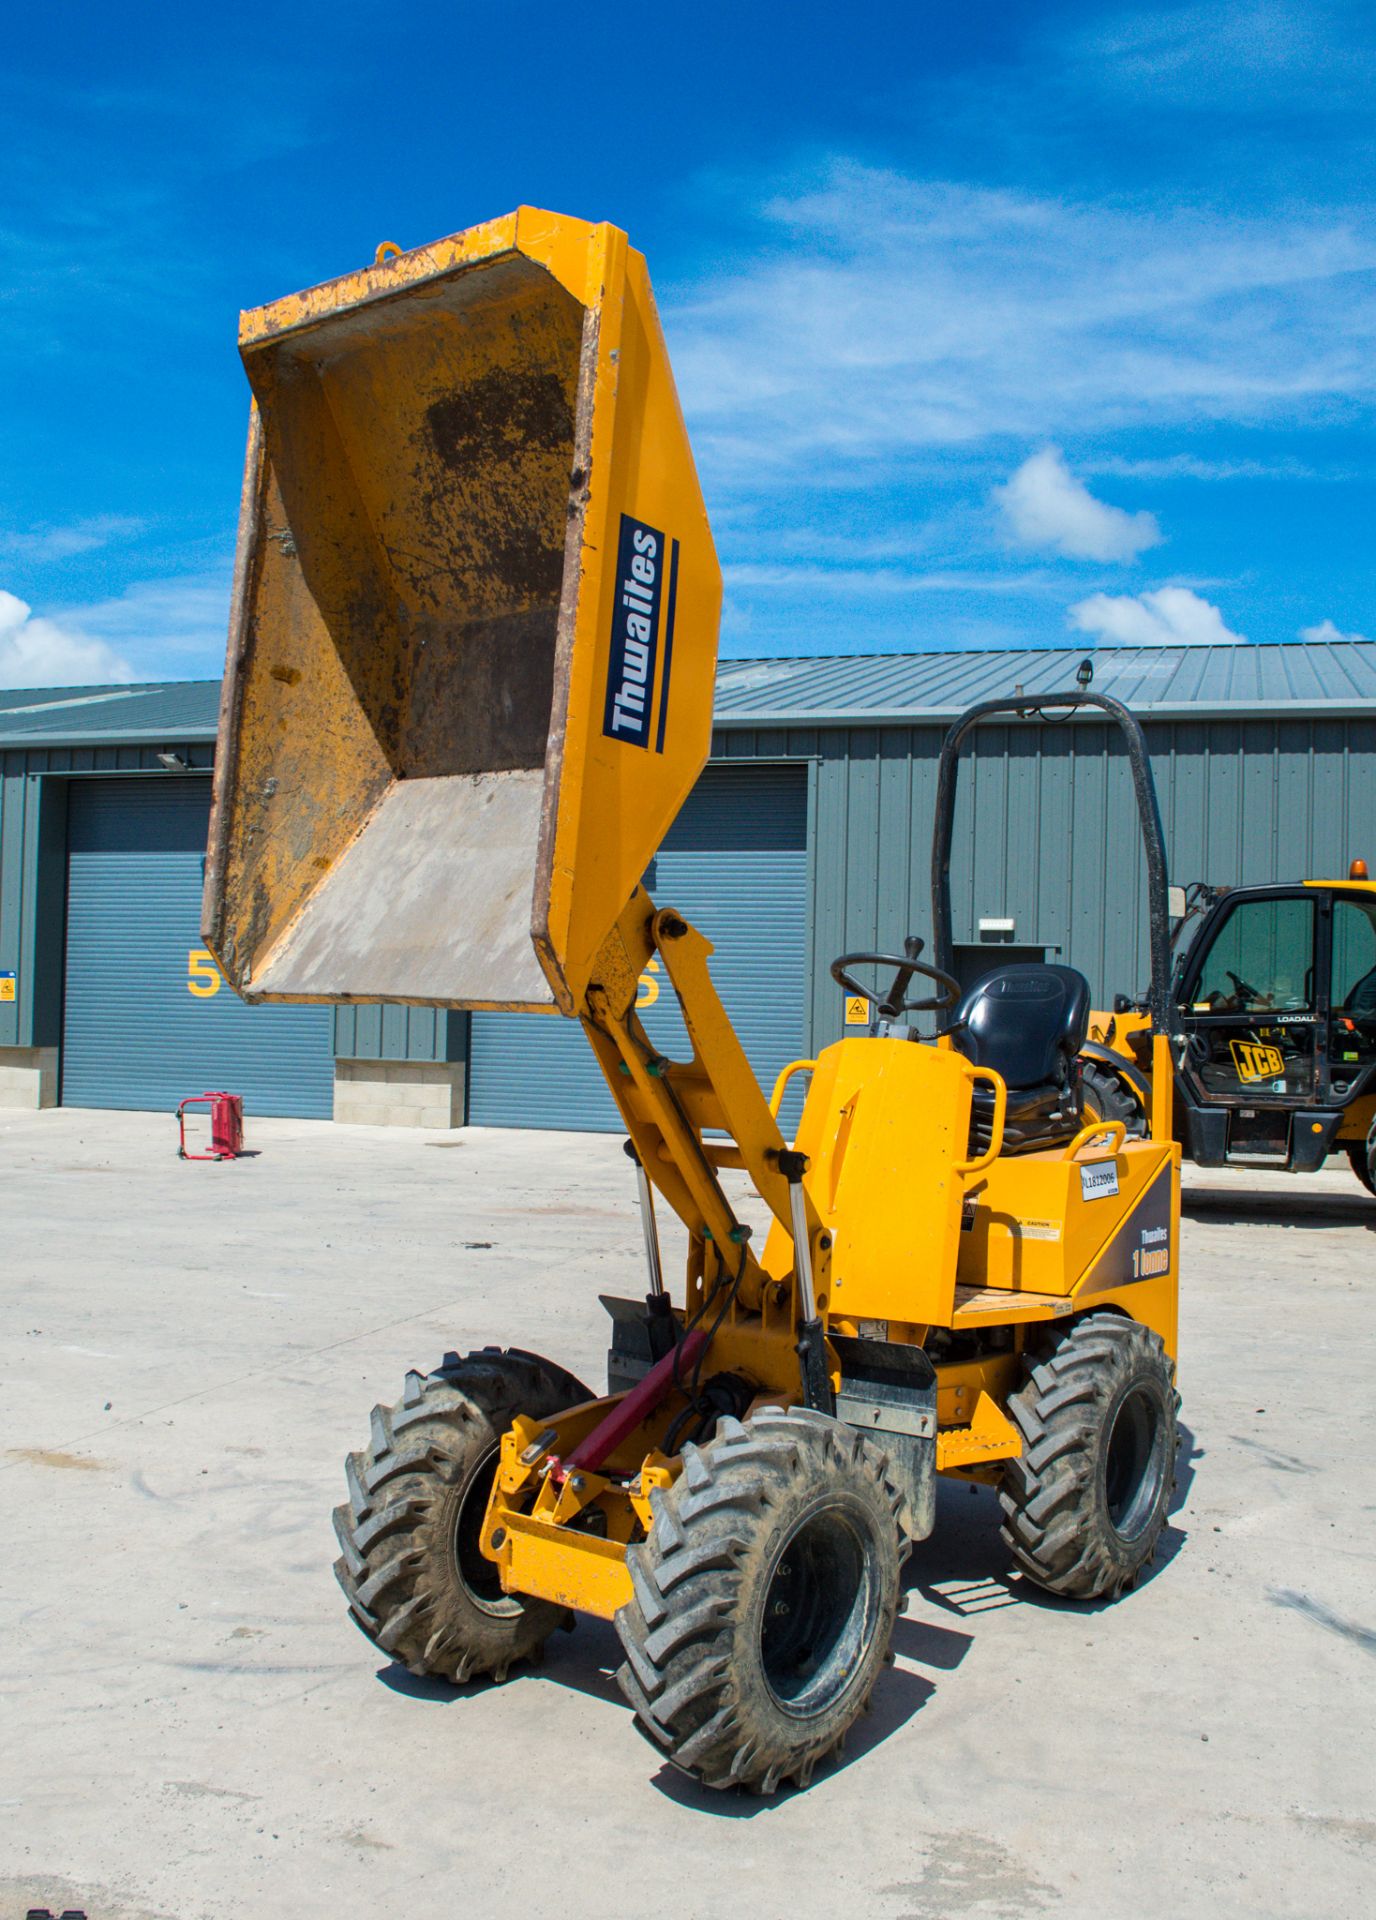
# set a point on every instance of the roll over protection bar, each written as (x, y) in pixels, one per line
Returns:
(1148, 815)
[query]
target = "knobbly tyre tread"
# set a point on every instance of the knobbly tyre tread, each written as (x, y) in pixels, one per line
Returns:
(1362, 1158)
(1109, 1097)
(395, 1530)
(1056, 1522)
(689, 1635)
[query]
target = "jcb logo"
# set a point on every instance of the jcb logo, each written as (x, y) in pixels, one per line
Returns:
(1255, 1062)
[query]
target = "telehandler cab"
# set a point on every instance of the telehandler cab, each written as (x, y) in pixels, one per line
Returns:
(1273, 1018)
(469, 686)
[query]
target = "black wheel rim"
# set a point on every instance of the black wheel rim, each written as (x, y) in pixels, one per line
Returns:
(821, 1609)
(478, 1576)
(1134, 1463)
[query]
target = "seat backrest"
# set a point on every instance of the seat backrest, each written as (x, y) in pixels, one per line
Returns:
(1026, 1021)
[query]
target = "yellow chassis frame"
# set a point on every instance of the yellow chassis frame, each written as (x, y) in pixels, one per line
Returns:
(562, 1535)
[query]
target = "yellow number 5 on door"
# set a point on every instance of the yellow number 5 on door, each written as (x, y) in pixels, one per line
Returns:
(203, 977)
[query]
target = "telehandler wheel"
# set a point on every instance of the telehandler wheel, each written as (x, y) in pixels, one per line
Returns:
(1085, 1505)
(410, 1565)
(1106, 1097)
(1363, 1159)
(765, 1597)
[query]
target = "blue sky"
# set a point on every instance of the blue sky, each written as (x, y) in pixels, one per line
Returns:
(993, 324)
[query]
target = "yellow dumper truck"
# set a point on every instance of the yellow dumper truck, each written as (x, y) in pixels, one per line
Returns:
(469, 686)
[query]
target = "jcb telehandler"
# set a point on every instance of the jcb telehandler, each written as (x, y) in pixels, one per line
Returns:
(469, 686)
(1273, 1018)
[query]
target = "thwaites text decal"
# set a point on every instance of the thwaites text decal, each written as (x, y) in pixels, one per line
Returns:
(637, 708)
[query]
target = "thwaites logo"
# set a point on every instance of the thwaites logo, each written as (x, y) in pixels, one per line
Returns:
(642, 626)
(1253, 1061)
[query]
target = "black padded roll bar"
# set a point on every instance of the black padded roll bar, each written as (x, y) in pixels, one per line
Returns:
(1148, 814)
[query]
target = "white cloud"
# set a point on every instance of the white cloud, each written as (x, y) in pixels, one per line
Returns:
(884, 580)
(45, 653)
(60, 543)
(1046, 507)
(1299, 52)
(1326, 632)
(1189, 466)
(881, 313)
(173, 628)
(1163, 617)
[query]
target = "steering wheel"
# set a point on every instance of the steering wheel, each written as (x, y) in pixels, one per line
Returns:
(895, 1001)
(1243, 988)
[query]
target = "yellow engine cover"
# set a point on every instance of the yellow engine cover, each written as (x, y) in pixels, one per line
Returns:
(885, 1127)
(1042, 1223)
(911, 1216)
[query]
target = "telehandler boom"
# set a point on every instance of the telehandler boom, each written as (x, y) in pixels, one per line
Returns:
(470, 684)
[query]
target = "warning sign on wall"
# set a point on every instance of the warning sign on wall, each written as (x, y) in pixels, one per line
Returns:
(6, 986)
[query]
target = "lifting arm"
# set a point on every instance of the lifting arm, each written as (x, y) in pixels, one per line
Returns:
(669, 1107)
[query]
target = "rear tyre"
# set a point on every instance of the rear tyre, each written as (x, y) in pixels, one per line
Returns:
(1108, 1097)
(764, 1599)
(410, 1564)
(1085, 1506)
(1363, 1158)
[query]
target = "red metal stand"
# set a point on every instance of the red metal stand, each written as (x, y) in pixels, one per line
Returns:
(226, 1125)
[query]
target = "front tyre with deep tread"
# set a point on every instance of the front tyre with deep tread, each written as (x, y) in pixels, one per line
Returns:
(1108, 1096)
(1085, 1505)
(410, 1564)
(764, 1599)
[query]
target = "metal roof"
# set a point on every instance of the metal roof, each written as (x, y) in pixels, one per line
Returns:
(1325, 676)
(1337, 677)
(175, 711)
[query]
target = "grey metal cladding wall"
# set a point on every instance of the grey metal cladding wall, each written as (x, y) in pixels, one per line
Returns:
(1046, 829)
(389, 1032)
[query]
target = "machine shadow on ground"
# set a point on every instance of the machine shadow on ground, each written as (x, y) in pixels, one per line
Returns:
(585, 1661)
(962, 1569)
(1218, 1206)
(898, 1697)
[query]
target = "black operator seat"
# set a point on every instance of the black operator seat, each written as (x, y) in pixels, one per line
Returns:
(1027, 1022)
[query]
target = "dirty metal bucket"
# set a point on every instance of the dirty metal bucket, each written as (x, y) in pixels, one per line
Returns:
(473, 639)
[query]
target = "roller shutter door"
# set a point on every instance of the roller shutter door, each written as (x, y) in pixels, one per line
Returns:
(734, 864)
(147, 1018)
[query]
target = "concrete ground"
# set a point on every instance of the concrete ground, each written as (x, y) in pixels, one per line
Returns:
(192, 1728)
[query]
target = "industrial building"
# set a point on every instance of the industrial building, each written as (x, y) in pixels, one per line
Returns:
(807, 835)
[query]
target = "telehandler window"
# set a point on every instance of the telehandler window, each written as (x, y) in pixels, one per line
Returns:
(1261, 961)
(1246, 1008)
(1354, 983)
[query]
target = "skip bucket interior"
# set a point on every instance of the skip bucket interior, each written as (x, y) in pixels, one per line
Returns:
(410, 559)
(473, 641)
